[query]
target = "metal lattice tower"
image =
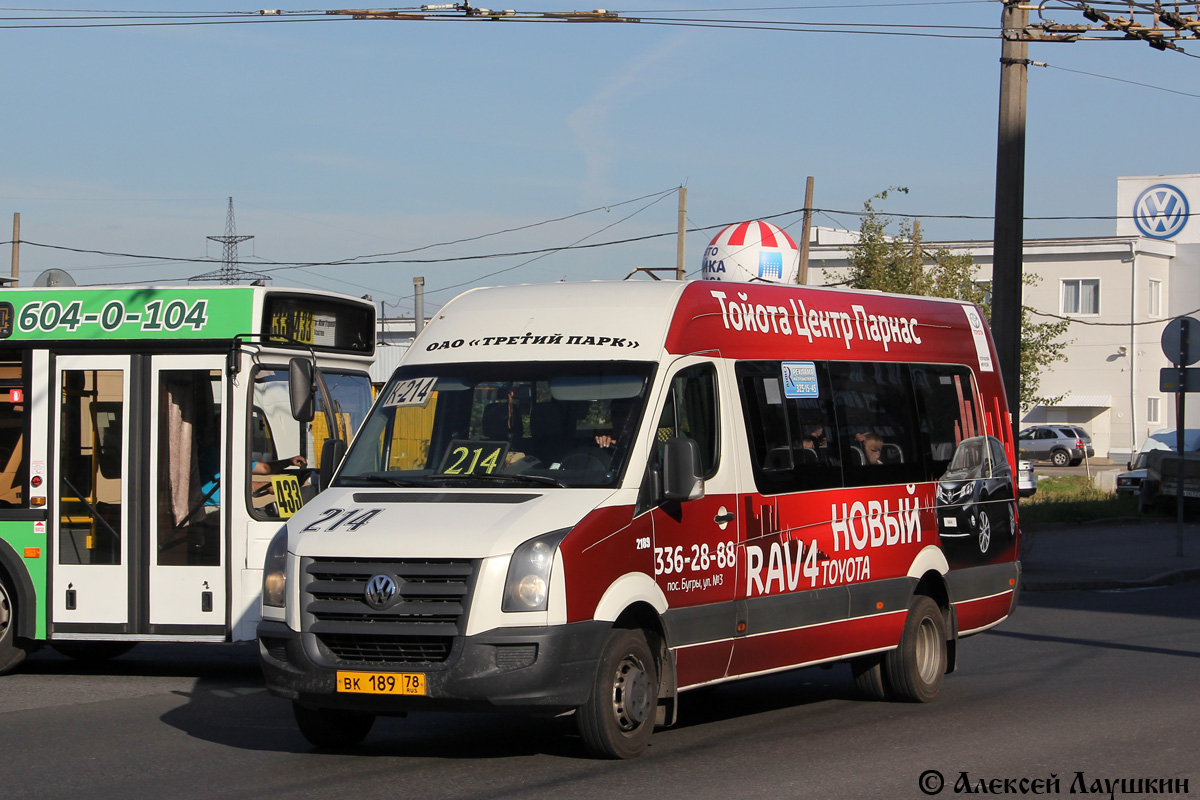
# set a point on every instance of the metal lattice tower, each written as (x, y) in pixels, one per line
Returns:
(230, 272)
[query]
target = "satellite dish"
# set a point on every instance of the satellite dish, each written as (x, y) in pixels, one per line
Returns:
(54, 277)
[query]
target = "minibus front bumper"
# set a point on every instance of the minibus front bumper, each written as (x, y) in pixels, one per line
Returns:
(546, 669)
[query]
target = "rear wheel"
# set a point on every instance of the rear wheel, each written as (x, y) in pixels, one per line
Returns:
(10, 653)
(332, 728)
(915, 670)
(618, 717)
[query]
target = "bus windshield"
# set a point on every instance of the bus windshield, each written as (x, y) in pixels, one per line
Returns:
(558, 424)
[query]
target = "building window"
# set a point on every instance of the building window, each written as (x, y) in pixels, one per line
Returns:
(1153, 406)
(1155, 299)
(1081, 296)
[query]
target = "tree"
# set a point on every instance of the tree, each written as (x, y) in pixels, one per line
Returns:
(901, 264)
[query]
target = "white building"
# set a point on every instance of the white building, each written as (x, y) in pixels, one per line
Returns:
(1118, 291)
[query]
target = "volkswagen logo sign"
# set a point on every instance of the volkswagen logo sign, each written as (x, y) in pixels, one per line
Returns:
(380, 591)
(1161, 211)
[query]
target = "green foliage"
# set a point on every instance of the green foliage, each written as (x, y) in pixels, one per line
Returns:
(1074, 498)
(900, 264)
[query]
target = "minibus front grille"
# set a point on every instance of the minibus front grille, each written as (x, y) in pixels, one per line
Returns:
(417, 625)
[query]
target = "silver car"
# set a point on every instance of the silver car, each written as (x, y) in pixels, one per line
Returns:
(1061, 445)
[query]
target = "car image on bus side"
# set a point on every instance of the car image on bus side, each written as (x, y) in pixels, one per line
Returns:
(975, 499)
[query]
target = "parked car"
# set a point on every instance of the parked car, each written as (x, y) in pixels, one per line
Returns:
(1131, 482)
(1026, 479)
(1061, 445)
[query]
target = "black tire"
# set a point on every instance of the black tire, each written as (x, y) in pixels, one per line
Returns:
(1075, 462)
(985, 532)
(332, 728)
(915, 670)
(1060, 458)
(868, 677)
(618, 717)
(93, 652)
(11, 654)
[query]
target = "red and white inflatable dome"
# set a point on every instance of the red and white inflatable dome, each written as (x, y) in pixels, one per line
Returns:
(752, 251)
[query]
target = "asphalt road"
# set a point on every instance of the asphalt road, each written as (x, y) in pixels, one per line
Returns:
(1098, 683)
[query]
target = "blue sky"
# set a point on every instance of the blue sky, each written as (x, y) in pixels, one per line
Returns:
(341, 138)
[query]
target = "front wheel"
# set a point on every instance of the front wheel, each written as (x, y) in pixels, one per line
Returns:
(618, 717)
(332, 728)
(915, 670)
(10, 653)
(1060, 458)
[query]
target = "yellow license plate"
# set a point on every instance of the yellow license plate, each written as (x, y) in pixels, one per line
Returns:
(407, 683)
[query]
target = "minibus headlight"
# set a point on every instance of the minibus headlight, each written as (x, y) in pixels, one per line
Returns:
(275, 571)
(527, 587)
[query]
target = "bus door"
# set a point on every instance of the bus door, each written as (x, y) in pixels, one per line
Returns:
(89, 495)
(695, 542)
(188, 549)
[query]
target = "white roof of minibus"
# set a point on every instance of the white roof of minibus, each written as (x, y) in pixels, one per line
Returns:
(610, 320)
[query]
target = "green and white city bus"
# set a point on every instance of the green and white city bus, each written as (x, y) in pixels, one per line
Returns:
(152, 441)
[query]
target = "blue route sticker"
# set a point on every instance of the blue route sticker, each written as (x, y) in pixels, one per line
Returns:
(800, 379)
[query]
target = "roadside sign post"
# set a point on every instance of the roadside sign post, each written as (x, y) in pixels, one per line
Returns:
(1181, 344)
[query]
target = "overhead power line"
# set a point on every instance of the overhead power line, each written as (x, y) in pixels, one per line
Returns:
(268, 265)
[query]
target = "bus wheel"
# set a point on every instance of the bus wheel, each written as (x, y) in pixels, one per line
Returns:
(916, 668)
(868, 676)
(618, 718)
(332, 727)
(93, 652)
(10, 653)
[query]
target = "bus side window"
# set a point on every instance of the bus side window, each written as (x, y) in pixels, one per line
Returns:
(792, 444)
(948, 406)
(691, 412)
(877, 423)
(14, 466)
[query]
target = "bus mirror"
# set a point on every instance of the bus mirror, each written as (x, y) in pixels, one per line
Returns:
(332, 452)
(681, 470)
(300, 388)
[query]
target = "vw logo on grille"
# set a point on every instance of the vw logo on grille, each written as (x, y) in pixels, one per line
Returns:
(380, 591)
(1161, 211)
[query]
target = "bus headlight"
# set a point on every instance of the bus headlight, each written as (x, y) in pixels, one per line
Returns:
(527, 587)
(275, 571)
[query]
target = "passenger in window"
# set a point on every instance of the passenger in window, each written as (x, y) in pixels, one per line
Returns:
(872, 444)
(815, 437)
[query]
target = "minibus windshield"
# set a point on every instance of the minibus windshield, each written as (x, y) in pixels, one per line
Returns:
(554, 424)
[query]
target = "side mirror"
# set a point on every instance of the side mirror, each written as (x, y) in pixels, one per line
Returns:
(682, 471)
(300, 389)
(332, 452)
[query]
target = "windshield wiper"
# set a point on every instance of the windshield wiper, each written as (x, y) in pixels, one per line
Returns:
(521, 478)
(389, 481)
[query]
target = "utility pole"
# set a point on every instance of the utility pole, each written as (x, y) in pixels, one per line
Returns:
(419, 307)
(16, 251)
(680, 267)
(1007, 252)
(802, 275)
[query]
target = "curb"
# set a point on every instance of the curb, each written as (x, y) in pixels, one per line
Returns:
(1171, 578)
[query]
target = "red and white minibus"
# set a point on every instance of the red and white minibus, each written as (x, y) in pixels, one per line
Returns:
(591, 498)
